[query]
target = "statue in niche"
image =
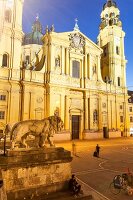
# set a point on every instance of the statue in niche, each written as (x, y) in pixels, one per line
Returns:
(57, 61)
(42, 130)
(94, 69)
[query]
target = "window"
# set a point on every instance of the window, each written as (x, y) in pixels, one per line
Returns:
(76, 69)
(118, 81)
(27, 60)
(8, 16)
(112, 14)
(131, 119)
(2, 97)
(5, 60)
(2, 114)
(121, 107)
(95, 116)
(121, 118)
(105, 50)
(117, 50)
(110, 22)
(129, 100)
(130, 109)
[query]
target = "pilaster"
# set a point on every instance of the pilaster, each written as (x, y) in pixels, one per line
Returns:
(66, 112)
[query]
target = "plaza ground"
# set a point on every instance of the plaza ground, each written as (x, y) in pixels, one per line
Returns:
(96, 174)
(116, 156)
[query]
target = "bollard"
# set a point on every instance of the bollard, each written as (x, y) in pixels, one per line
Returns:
(74, 149)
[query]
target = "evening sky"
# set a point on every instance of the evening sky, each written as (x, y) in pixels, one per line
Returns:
(62, 14)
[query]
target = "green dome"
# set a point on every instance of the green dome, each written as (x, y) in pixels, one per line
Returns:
(35, 36)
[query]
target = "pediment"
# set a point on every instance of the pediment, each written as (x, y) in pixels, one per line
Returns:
(74, 40)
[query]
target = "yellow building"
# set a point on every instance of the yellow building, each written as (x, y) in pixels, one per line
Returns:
(82, 82)
(130, 110)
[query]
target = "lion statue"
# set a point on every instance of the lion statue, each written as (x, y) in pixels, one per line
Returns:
(42, 130)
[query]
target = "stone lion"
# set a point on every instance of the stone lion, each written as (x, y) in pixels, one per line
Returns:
(42, 130)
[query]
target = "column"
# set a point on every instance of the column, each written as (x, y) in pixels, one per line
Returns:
(86, 113)
(63, 59)
(85, 68)
(100, 126)
(1, 57)
(66, 112)
(98, 68)
(67, 61)
(81, 74)
(89, 68)
(52, 57)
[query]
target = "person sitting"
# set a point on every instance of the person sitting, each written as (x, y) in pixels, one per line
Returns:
(74, 187)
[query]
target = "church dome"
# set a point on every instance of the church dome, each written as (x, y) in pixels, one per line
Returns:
(35, 36)
(109, 3)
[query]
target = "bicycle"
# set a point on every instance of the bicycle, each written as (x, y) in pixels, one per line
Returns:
(119, 183)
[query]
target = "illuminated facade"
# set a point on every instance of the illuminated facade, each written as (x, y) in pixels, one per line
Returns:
(82, 82)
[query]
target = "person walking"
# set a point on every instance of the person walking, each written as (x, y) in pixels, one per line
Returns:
(97, 150)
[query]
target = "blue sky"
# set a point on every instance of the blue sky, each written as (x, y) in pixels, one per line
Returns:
(62, 13)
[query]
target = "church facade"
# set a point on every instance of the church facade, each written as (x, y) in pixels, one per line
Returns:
(65, 74)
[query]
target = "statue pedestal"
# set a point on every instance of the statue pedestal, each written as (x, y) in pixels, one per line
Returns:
(30, 172)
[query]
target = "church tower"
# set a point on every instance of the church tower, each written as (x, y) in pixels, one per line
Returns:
(10, 33)
(111, 40)
(10, 60)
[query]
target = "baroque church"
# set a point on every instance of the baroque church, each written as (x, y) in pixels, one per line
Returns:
(64, 73)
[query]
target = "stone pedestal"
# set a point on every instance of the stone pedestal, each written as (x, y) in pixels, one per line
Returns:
(34, 172)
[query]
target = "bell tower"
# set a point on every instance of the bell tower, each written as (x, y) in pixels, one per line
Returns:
(10, 33)
(111, 40)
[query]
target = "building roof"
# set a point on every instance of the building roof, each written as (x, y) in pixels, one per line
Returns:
(35, 36)
(109, 3)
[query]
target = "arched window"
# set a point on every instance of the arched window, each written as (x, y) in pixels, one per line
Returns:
(8, 15)
(131, 119)
(5, 60)
(76, 69)
(117, 50)
(110, 22)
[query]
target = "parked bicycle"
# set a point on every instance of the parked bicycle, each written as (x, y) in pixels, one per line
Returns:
(120, 182)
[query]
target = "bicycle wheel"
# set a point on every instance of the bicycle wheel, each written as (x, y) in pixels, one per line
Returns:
(114, 190)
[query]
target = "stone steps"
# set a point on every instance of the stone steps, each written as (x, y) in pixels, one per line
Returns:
(62, 196)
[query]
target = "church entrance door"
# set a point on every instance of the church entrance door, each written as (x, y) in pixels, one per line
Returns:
(75, 126)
